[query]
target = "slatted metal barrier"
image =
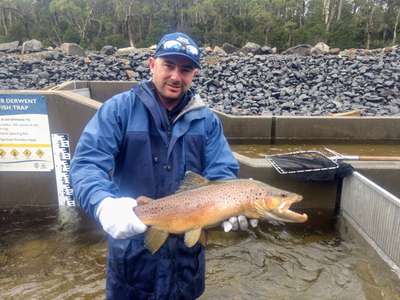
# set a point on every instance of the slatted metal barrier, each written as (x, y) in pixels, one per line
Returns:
(375, 214)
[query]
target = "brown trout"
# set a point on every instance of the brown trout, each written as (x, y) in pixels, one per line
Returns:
(201, 203)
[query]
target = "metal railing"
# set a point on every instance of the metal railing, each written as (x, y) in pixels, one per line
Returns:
(375, 214)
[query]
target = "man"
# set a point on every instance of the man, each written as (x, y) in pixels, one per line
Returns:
(142, 142)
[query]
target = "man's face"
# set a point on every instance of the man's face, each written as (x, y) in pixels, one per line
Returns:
(172, 76)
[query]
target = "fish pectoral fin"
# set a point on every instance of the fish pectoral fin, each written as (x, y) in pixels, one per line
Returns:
(155, 239)
(259, 209)
(142, 200)
(192, 237)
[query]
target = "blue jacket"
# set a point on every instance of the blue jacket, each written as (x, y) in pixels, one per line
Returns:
(127, 149)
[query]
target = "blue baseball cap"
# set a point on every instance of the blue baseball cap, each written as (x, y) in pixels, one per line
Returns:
(180, 44)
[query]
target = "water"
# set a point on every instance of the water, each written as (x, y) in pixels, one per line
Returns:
(48, 256)
(52, 255)
(345, 148)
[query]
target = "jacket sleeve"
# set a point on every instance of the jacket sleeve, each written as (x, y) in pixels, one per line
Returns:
(94, 159)
(220, 162)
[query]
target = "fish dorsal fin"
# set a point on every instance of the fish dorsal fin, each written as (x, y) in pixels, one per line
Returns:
(155, 239)
(191, 181)
(142, 200)
(192, 237)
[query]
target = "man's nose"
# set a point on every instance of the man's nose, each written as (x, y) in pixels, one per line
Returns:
(175, 74)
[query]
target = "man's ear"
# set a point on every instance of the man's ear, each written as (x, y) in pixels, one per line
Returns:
(196, 72)
(151, 63)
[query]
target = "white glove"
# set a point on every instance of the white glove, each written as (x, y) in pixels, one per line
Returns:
(239, 222)
(118, 219)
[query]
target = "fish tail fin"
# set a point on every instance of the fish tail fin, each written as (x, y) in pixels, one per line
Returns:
(154, 239)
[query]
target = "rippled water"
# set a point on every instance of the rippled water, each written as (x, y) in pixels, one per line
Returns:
(50, 255)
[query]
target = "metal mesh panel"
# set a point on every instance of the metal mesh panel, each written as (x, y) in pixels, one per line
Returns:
(301, 161)
(376, 213)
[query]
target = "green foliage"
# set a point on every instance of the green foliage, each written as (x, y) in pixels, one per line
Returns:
(70, 35)
(18, 32)
(276, 23)
(116, 40)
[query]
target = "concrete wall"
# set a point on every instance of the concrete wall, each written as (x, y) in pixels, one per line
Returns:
(241, 129)
(280, 129)
(99, 90)
(67, 113)
(337, 128)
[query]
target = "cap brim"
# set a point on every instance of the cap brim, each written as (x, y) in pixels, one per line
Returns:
(195, 63)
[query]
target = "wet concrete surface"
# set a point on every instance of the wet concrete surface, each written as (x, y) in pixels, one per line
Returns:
(50, 254)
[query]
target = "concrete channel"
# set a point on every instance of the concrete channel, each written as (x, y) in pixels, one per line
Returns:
(72, 104)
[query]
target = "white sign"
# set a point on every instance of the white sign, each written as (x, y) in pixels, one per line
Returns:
(24, 134)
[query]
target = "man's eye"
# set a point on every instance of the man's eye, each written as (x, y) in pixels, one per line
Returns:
(169, 66)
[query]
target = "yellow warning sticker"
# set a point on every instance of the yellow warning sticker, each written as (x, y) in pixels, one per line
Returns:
(27, 153)
(14, 153)
(39, 153)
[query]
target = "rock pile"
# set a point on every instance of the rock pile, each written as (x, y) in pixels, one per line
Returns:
(303, 85)
(52, 68)
(237, 83)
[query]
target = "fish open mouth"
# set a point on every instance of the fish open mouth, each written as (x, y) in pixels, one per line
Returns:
(287, 215)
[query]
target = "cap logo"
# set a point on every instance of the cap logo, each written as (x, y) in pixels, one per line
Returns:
(183, 40)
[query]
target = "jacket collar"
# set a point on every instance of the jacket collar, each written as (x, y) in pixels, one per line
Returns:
(194, 103)
(146, 94)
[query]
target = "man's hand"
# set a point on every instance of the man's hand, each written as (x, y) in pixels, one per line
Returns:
(239, 222)
(118, 219)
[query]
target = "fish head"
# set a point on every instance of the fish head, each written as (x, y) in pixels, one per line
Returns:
(274, 204)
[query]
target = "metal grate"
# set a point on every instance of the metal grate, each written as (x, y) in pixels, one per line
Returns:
(301, 161)
(375, 213)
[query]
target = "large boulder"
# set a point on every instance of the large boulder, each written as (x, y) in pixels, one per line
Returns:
(266, 50)
(352, 52)
(321, 47)
(251, 48)
(207, 50)
(334, 51)
(229, 48)
(316, 52)
(9, 47)
(31, 46)
(219, 50)
(72, 49)
(389, 49)
(108, 50)
(303, 50)
(125, 51)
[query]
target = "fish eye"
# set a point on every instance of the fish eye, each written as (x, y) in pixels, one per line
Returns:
(283, 195)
